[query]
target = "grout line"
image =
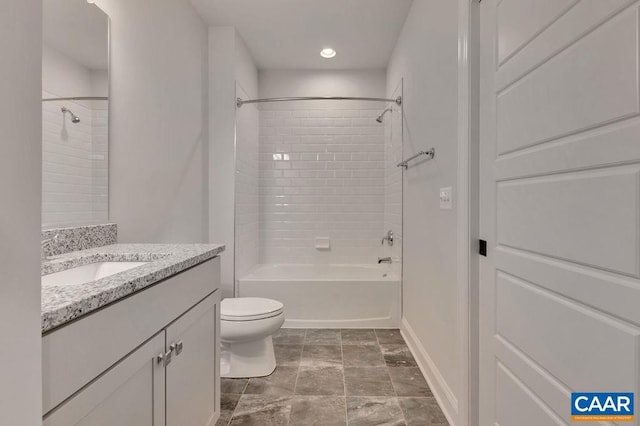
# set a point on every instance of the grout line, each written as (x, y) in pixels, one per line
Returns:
(236, 407)
(401, 410)
(295, 386)
(395, 392)
(344, 381)
(346, 412)
(234, 410)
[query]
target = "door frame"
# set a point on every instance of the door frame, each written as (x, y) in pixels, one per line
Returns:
(468, 216)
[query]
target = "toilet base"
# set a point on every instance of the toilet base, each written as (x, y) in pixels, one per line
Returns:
(248, 359)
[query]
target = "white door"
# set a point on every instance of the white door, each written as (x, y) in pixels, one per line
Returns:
(130, 394)
(560, 206)
(193, 374)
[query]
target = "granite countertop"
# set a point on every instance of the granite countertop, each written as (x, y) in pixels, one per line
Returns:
(61, 304)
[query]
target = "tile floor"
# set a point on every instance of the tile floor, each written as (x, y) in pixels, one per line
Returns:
(329, 377)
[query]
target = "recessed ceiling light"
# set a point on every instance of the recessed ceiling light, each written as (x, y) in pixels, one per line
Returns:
(327, 52)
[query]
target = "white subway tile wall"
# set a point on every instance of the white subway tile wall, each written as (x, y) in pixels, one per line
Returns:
(321, 174)
(247, 204)
(100, 160)
(393, 185)
(74, 168)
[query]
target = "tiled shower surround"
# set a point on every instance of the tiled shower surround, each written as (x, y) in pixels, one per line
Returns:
(74, 163)
(393, 182)
(322, 174)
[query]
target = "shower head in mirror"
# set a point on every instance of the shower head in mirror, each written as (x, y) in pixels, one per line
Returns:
(379, 119)
(74, 118)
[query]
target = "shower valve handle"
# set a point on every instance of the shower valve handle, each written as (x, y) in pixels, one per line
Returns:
(388, 238)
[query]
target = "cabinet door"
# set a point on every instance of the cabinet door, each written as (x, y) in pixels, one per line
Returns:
(131, 393)
(193, 374)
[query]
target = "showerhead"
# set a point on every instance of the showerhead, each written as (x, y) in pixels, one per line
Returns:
(74, 118)
(379, 119)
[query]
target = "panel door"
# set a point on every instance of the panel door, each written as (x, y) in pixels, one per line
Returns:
(193, 374)
(560, 206)
(130, 394)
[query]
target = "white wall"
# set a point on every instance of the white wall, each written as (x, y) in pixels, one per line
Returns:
(158, 164)
(247, 214)
(20, 162)
(100, 82)
(245, 69)
(229, 64)
(321, 167)
(222, 110)
(278, 83)
(247, 196)
(100, 161)
(63, 76)
(426, 56)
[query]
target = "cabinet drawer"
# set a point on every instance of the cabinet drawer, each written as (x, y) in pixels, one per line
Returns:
(75, 354)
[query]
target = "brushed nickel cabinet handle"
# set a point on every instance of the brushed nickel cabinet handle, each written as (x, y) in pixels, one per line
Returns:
(164, 358)
(177, 347)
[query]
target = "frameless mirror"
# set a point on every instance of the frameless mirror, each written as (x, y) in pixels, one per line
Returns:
(75, 105)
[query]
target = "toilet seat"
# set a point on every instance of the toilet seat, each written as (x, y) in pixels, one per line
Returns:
(249, 309)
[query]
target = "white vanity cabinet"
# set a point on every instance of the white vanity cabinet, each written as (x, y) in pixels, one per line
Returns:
(149, 359)
(130, 394)
(191, 385)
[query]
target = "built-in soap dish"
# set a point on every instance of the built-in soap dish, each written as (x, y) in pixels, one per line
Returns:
(323, 243)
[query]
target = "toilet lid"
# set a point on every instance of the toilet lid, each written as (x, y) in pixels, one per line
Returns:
(249, 308)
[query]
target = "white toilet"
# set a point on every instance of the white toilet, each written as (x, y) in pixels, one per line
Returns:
(246, 326)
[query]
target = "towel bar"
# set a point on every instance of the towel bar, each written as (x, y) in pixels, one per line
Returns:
(405, 163)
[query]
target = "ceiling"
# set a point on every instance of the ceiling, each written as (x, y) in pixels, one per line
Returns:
(289, 34)
(79, 30)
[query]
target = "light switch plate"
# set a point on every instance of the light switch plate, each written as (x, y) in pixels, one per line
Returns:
(446, 198)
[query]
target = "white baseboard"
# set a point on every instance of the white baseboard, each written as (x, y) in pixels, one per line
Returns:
(441, 390)
(384, 322)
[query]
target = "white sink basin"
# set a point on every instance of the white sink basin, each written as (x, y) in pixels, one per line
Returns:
(88, 273)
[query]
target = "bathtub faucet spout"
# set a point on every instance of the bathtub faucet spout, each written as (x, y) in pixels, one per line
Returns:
(384, 260)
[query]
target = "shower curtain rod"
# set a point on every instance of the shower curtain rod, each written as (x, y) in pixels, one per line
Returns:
(240, 101)
(78, 98)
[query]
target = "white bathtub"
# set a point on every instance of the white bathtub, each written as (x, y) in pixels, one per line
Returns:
(329, 296)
